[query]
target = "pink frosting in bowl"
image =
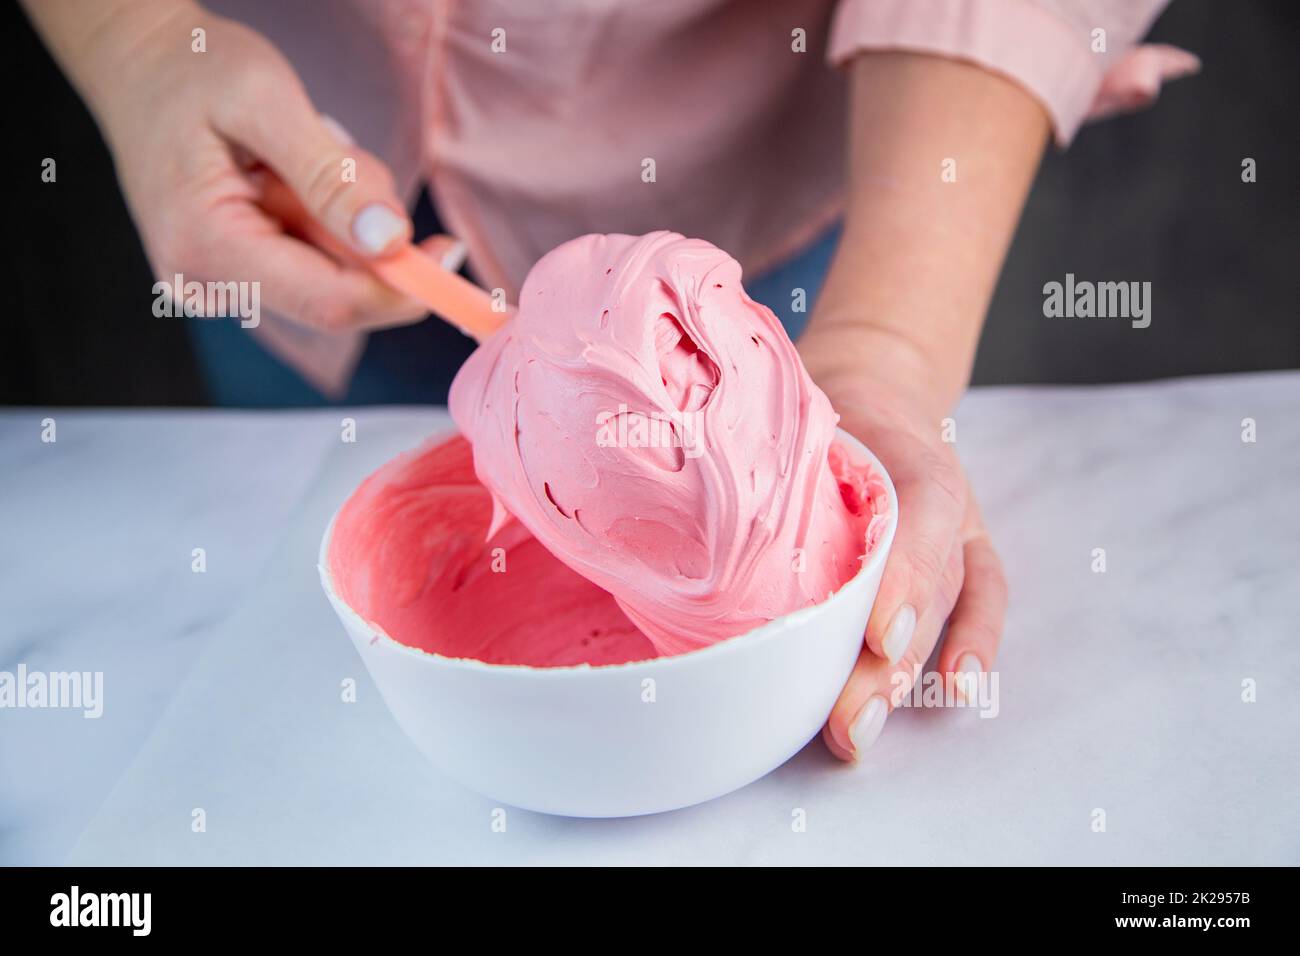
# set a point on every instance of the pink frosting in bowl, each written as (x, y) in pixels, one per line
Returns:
(647, 581)
(569, 730)
(409, 553)
(654, 428)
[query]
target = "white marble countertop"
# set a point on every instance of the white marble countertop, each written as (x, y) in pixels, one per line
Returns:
(1120, 692)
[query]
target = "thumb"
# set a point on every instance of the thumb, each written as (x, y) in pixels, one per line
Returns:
(347, 190)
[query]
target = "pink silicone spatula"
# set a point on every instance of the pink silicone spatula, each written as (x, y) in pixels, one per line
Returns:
(408, 270)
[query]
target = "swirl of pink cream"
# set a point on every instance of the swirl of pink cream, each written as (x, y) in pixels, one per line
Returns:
(655, 429)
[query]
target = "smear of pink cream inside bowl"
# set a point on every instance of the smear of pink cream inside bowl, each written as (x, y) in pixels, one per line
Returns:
(409, 553)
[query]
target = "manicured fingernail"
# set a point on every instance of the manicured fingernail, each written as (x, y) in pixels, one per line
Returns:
(454, 257)
(376, 226)
(967, 677)
(899, 634)
(870, 722)
(337, 131)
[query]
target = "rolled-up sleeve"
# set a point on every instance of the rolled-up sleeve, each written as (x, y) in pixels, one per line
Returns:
(1050, 47)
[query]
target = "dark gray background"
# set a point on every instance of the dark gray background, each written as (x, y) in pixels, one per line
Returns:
(1156, 197)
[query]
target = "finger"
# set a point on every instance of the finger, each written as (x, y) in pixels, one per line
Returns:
(294, 279)
(859, 715)
(345, 188)
(447, 251)
(975, 628)
(876, 686)
(931, 502)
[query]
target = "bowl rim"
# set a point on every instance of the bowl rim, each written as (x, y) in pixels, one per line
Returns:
(764, 633)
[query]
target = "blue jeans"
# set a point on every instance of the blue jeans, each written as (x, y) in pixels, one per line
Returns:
(415, 364)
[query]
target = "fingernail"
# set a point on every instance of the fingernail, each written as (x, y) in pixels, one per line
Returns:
(376, 226)
(454, 257)
(869, 724)
(337, 130)
(967, 677)
(899, 634)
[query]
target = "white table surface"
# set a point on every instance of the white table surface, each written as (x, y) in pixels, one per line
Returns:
(1120, 691)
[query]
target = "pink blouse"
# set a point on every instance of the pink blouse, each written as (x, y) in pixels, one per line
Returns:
(533, 123)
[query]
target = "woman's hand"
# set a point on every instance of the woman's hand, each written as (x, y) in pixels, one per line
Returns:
(192, 134)
(942, 567)
(893, 338)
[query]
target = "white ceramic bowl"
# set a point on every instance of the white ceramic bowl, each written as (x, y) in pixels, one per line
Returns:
(627, 739)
